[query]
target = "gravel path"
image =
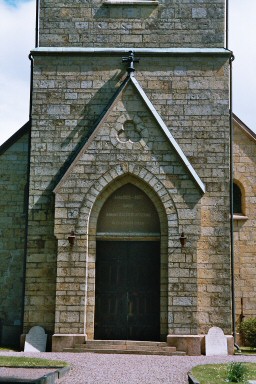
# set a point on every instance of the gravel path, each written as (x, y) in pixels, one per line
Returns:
(90, 368)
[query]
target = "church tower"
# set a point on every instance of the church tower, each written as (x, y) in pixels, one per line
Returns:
(128, 226)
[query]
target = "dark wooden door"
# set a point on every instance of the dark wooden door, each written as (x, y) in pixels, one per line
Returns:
(127, 290)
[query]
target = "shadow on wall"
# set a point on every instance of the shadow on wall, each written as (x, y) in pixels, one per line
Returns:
(10, 335)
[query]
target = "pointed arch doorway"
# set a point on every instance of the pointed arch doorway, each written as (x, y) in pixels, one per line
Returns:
(127, 293)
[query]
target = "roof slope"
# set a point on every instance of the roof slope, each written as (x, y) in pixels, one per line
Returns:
(169, 135)
(15, 137)
(244, 127)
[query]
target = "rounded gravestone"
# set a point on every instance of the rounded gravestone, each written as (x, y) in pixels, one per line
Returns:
(216, 342)
(35, 340)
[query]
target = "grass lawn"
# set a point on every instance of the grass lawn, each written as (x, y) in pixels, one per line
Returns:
(217, 373)
(3, 349)
(30, 362)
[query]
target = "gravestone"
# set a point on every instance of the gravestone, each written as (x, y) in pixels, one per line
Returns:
(216, 342)
(35, 340)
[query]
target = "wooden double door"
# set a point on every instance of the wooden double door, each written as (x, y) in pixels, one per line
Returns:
(127, 303)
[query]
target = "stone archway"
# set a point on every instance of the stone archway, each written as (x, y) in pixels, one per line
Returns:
(168, 220)
(127, 288)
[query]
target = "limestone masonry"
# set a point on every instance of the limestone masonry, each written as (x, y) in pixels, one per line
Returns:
(125, 165)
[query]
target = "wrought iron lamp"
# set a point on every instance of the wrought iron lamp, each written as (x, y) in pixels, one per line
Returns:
(183, 239)
(71, 238)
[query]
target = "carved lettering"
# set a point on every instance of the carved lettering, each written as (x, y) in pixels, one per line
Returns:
(128, 209)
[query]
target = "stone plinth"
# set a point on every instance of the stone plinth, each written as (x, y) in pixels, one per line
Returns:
(60, 341)
(191, 344)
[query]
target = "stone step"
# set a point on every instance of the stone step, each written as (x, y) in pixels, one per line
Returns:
(124, 344)
(126, 347)
(125, 351)
(123, 347)
(130, 342)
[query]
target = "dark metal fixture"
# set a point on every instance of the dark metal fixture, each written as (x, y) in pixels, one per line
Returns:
(183, 240)
(71, 238)
(131, 60)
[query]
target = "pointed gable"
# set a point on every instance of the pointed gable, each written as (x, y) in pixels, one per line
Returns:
(154, 115)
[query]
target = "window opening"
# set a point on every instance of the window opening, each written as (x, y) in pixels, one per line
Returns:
(237, 200)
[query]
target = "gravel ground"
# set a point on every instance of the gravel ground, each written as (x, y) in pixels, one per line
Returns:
(90, 368)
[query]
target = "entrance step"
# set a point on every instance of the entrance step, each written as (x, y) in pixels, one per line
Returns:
(126, 347)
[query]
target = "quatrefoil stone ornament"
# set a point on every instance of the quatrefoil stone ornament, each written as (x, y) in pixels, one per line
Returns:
(129, 133)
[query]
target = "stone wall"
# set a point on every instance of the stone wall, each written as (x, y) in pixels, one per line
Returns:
(69, 94)
(182, 23)
(72, 90)
(13, 210)
(244, 225)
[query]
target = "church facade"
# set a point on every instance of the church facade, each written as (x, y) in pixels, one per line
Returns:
(125, 215)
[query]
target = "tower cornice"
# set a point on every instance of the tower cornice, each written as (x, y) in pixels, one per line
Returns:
(141, 51)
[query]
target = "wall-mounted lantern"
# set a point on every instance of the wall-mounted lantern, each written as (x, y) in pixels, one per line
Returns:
(183, 240)
(71, 238)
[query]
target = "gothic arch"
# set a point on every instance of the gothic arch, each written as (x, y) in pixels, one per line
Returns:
(97, 196)
(114, 179)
